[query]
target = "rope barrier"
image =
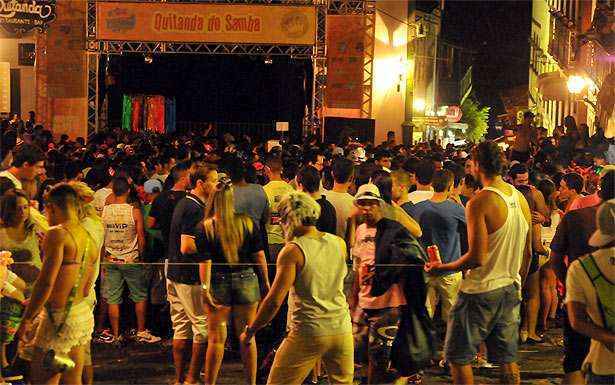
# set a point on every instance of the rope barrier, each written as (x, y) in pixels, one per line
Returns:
(225, 264)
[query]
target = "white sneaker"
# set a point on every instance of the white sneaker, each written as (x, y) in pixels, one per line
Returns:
(145, 337)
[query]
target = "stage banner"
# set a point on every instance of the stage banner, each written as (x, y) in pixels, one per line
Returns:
(345, 53)
(207, 23)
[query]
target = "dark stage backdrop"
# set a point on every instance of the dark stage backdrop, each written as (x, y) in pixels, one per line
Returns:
(211, 88)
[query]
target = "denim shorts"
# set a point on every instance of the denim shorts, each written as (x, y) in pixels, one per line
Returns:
(491, 317)
(117, 276)
(239, 287)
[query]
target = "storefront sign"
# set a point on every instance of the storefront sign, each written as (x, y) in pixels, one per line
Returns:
(346, 43)
(452, 114)
(207, 23)
(5, 87)
(436, 121)
(21, 16)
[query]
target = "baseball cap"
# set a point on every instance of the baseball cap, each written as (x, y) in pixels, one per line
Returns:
(605, 229)
(152, 186)
(368, 191)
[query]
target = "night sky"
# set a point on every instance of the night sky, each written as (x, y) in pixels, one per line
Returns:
(499, 32)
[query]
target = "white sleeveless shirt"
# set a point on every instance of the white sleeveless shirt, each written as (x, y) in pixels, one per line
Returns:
(317, 302)
(505, 250)
(121, 240)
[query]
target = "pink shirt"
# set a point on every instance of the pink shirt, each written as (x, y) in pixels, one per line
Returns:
(586, 201)
(364, 255)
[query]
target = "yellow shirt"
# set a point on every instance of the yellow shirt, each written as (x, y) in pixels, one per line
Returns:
(275, 191)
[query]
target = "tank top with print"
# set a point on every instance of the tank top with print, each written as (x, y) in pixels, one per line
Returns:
(121, 241)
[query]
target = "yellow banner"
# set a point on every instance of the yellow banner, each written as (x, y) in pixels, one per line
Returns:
(206, 23)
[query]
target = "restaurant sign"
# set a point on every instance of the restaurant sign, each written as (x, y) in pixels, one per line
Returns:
(21, 16)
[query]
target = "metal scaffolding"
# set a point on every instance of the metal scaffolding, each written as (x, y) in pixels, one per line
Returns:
(317, 52)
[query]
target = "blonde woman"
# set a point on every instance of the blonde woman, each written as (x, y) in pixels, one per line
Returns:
(312, 267)
(93, 225)
(232, 244)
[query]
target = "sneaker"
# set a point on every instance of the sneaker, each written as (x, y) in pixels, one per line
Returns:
(117, 342)
(103, 337)
(481, 362)
(145, 337)
(415, 379)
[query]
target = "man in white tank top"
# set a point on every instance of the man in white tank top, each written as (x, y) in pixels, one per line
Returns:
(124, 243)
(487, 309)
(311, 268)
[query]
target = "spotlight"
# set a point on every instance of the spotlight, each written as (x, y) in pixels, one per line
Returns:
(268, 60)
(149, 59)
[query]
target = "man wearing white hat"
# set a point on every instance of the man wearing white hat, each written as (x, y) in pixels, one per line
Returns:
(382, 296)
(590, 298)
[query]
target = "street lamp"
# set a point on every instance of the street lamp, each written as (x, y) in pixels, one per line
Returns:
(418, 104)
(576, 84)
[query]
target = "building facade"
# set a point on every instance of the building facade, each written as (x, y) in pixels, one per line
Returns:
(572, 62)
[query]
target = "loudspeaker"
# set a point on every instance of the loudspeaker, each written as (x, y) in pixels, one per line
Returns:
(361, 130)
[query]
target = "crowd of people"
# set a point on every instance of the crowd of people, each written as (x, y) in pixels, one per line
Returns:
(341, 261)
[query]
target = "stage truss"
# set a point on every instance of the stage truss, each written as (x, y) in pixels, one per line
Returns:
(317, 53)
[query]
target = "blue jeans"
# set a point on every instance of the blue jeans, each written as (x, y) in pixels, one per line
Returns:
(491, 317)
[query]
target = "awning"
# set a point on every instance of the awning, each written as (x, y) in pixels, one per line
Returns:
(552, 86)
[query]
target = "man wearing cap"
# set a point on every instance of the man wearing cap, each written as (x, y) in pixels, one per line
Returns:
(571, 241)
(382, 295)
(525, 137)
(590, 298)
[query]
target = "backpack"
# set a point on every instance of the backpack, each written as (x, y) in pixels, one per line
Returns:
(605, 290)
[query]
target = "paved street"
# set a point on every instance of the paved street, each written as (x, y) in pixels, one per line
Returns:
(540, 364)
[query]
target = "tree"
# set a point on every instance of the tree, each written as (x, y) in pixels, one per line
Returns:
(476, 117)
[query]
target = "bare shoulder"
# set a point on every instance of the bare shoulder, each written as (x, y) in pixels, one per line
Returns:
(290, 254)
(56, 234)
(482, 199)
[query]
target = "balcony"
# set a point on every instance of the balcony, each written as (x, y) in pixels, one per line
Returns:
(562, 40)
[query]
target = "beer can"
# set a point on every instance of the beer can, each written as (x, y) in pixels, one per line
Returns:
(434, 253)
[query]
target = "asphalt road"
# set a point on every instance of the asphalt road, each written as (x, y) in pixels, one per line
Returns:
(139, 364)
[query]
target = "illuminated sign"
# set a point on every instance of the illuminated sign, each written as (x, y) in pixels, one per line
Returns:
(21, 16)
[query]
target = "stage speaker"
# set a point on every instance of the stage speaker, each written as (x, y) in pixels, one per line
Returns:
(362, 130)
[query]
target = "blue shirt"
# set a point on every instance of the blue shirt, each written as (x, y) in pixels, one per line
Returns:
(442, 224)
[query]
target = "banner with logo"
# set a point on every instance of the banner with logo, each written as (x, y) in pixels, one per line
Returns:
(21, 16)
(207, 23)
(345, 55)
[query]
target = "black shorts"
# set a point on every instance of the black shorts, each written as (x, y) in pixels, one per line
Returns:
(534, 264)
(576, 348)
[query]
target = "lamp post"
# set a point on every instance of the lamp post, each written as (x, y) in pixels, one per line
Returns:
(576, 84)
